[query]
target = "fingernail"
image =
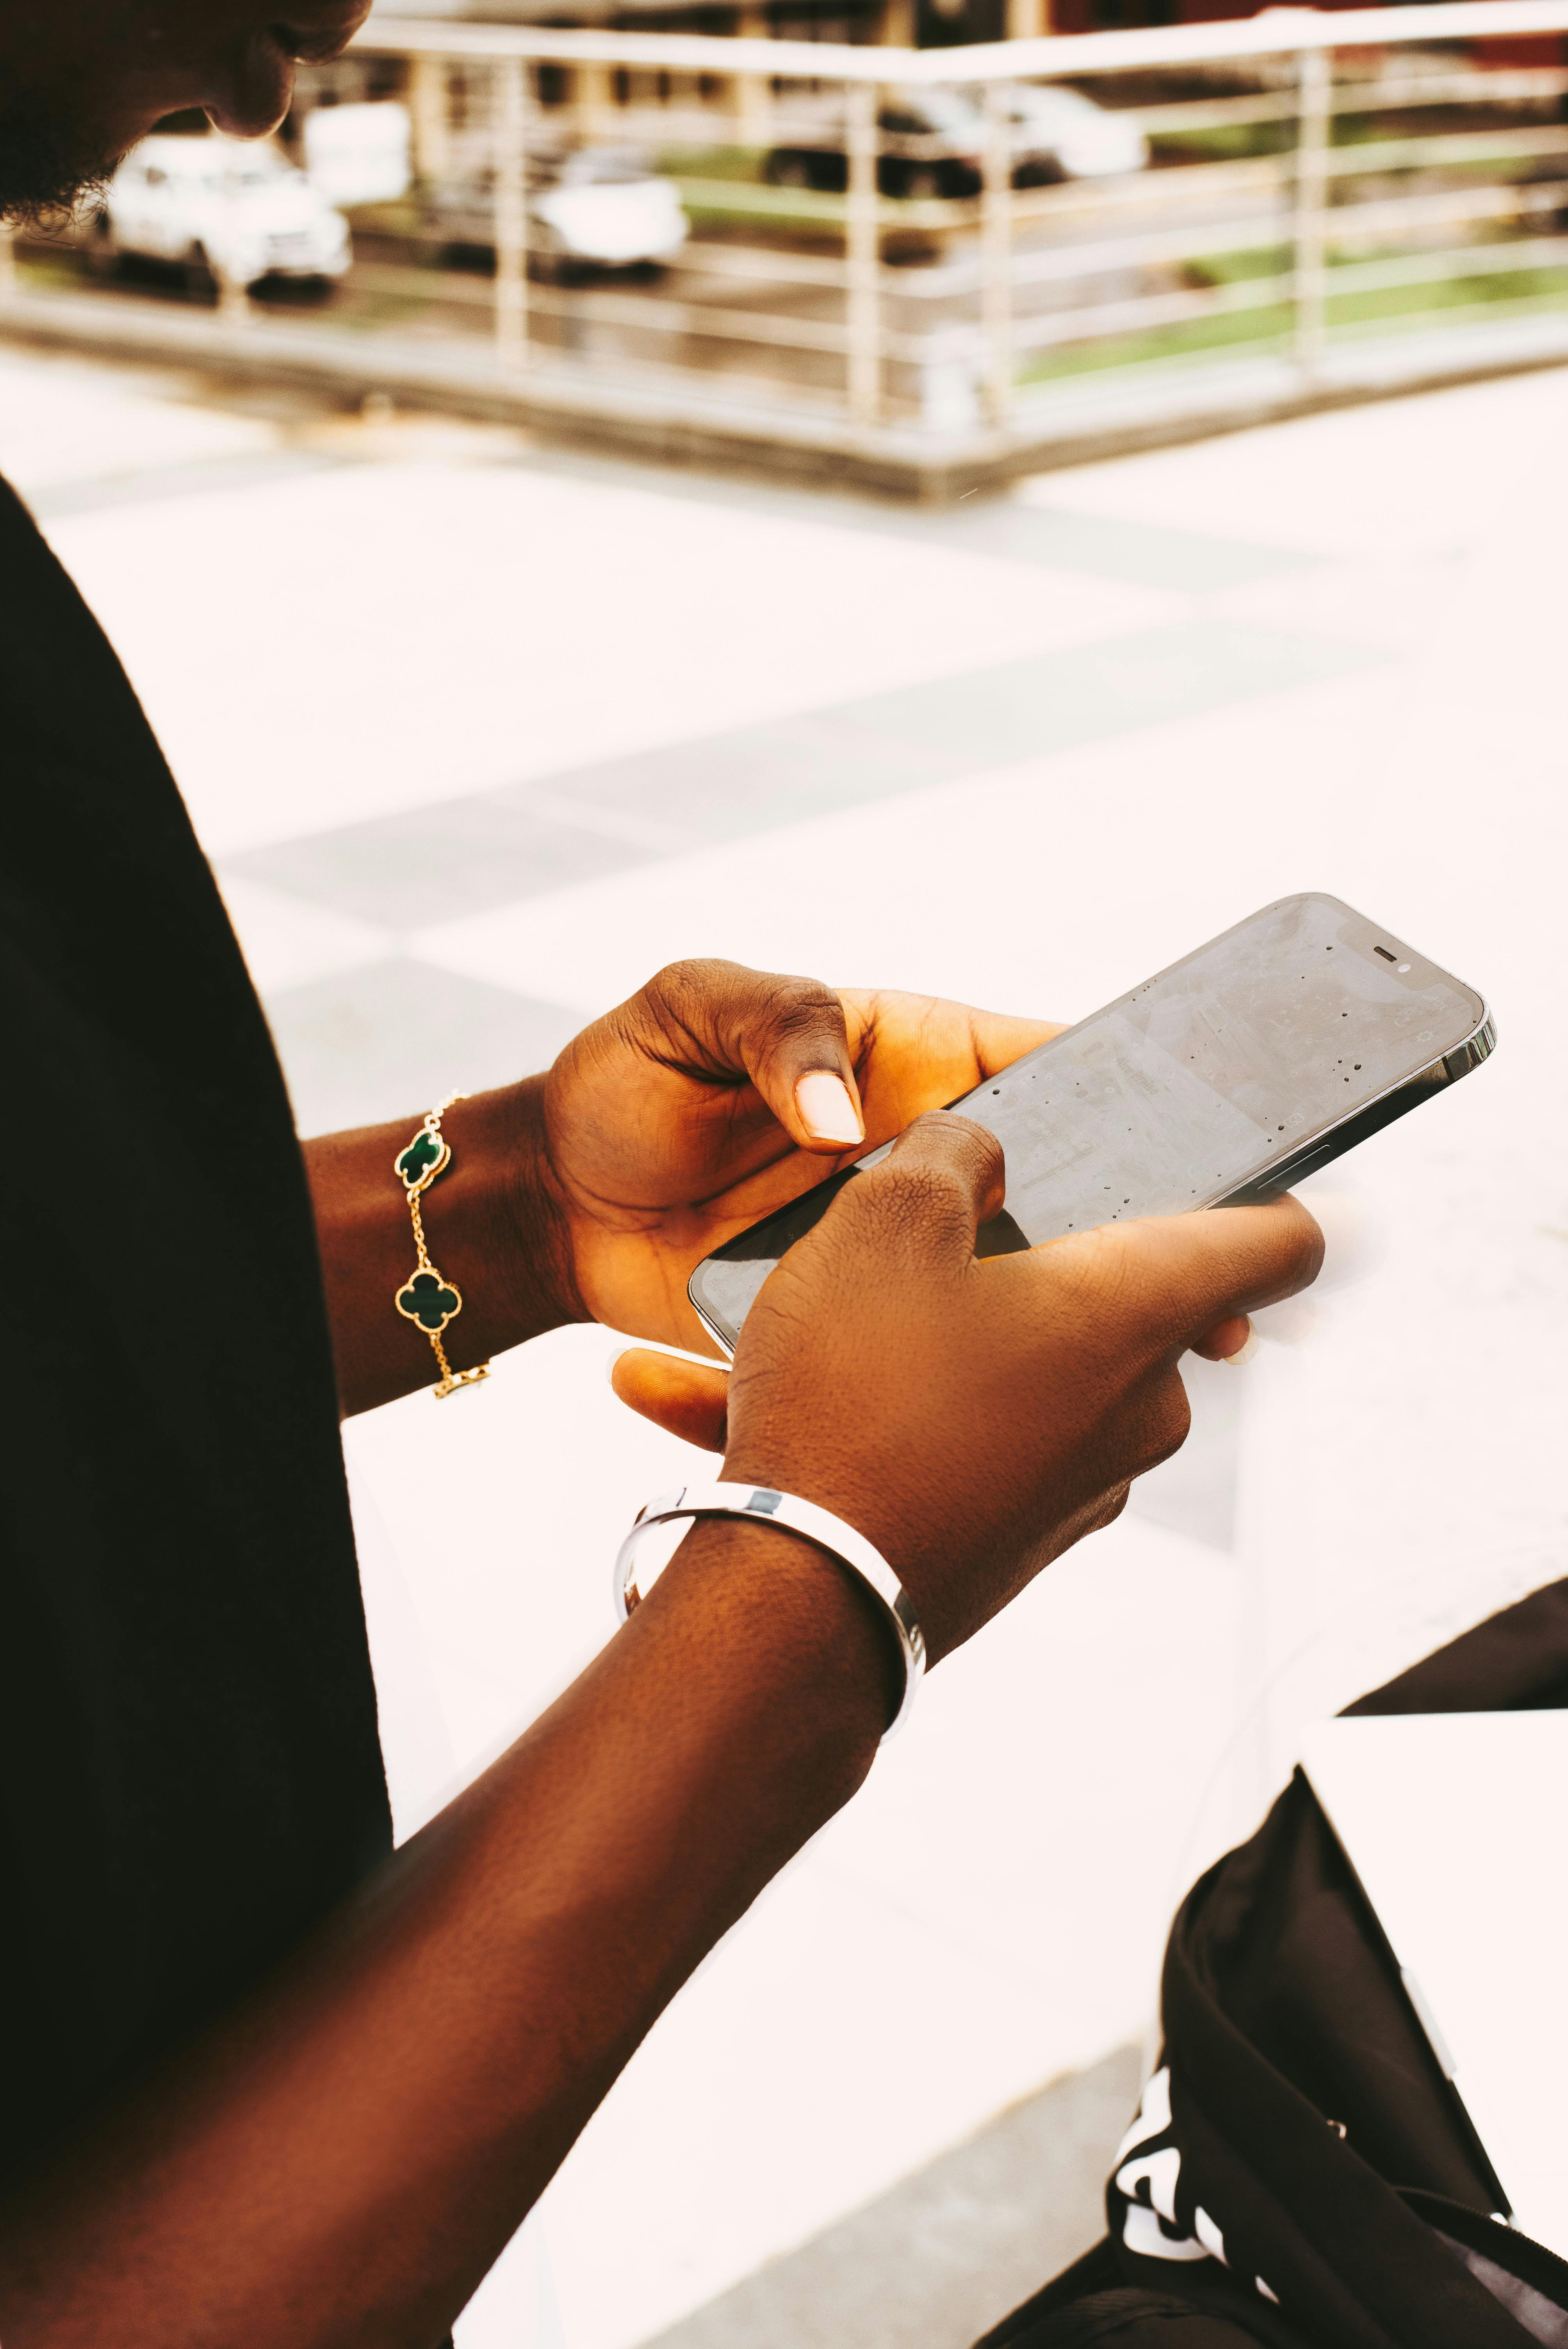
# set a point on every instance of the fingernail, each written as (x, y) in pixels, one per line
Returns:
(826, 1110)
(610, 1362)
(1244, 1353)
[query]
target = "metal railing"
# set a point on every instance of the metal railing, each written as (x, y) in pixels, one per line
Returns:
(1310, 178)
(1369, 198)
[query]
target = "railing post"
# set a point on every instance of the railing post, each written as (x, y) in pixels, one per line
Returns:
(863, 255)
(753, 109)
(753, 92)
(510, 156)
(996, 258)
(428, 101)
(593, 100)
(1314, 90)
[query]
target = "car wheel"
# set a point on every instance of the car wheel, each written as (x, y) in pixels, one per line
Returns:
(553, 267)
(103, 254)
(790, 172)
(201, 277)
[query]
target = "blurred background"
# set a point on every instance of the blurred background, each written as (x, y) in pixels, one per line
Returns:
(566, 510)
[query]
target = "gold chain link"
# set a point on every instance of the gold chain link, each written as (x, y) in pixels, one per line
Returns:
(450, 1380)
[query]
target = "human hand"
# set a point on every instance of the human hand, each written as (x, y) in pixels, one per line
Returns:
(718, 1093)
(973, 1419)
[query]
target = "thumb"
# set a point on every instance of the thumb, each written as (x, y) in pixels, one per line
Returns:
(932, 1187)
(787, 1035)
(686, 1399)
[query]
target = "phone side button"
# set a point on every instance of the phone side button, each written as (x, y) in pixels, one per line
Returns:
(1322, 1156)
(1278, 1180)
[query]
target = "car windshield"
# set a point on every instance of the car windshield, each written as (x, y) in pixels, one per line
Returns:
(209, 172)
(601, 166)
(1060, 106)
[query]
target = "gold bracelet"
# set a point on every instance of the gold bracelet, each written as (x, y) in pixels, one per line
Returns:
(425, 1298)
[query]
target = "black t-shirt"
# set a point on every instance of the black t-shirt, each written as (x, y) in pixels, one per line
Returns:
(189, 1771)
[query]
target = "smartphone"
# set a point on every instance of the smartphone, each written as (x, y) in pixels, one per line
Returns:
(1243, 1068)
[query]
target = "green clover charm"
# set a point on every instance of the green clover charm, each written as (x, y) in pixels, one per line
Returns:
(423, 1159)
(429, 1300)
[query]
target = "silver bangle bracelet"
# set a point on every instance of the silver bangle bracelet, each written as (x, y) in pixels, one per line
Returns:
(819, 1526)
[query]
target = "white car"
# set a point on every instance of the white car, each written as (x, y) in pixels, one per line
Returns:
(1060, 134)
(607, 207)
(222, 208)
(594, 208)
(934, 141)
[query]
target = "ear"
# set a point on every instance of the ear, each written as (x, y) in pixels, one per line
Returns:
(686, 1399)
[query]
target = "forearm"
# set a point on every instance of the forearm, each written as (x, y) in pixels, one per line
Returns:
(342, 2162)
(490, 1224)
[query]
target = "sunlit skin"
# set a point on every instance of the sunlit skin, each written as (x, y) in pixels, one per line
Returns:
(336, 2162)
(657, 1170)
(592, 1193)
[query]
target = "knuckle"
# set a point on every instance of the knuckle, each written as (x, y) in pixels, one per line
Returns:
(698, 976)
(802, 1008)
(964, 1151)
(1165, 1423)
(946, 1125)
(1097, 1276)
(682, 1002)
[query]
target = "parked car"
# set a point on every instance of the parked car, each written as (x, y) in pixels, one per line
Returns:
(1060, 134)
(933, 142)
(359, 154)
(589, 209)
(224, 210)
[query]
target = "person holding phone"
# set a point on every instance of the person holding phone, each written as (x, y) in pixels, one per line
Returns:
(263, 2080)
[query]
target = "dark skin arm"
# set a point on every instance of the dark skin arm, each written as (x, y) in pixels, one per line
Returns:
(335, 2164)
(342, 2161)
(593, 1192)
(492, 1225)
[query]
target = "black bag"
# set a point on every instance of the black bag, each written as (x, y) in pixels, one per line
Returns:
(1300, 2172)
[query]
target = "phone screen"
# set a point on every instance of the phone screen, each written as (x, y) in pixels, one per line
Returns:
(1183, 1093)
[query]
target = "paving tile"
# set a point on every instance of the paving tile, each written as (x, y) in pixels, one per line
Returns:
(187, 477)
(757, 777)
(946, 2254)
(68, 425)
(458, 857)
(394, 1035)
(1109, 546)
(1398, 477)
(1021, 524)
(288, 940)
(404, 633)
(436, 864)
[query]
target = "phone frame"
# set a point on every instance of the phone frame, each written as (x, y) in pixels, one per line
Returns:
(1314, 1152)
